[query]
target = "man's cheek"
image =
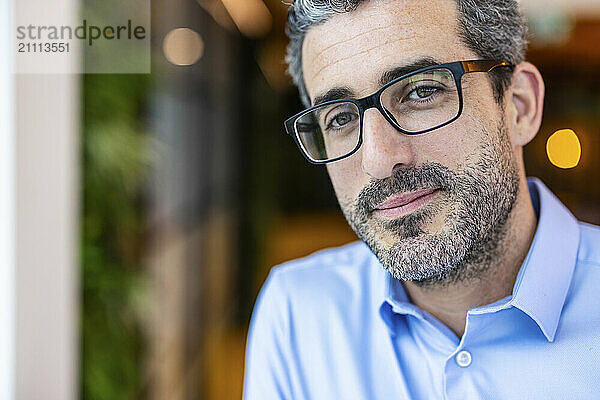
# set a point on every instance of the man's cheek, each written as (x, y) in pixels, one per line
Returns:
(346, 181)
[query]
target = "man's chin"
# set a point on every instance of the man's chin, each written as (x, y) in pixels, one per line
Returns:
(419, 226)
(395, 240)
(427, 254)
(413, 262)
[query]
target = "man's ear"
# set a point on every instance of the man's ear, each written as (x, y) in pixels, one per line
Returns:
(525, 103)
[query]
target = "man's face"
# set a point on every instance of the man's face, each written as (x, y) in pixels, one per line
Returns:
(426, 204)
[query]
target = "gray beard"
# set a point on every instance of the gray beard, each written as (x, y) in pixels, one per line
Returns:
(481, 198)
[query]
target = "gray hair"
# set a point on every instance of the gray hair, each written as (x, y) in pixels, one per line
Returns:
(493, 29)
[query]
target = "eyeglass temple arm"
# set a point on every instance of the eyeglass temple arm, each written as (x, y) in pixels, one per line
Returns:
(483, 65)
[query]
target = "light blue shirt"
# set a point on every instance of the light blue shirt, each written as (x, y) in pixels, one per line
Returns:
(336, 326)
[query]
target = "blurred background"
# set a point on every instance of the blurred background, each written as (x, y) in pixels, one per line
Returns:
(185, 191)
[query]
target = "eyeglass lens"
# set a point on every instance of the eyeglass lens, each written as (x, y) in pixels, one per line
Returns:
(416, 103)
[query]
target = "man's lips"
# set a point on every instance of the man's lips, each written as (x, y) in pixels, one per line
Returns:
(404, 203)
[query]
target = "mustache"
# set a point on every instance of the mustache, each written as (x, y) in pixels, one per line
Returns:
(427, 176)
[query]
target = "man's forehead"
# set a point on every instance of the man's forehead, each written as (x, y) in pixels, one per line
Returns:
(376, 36)
(342, 35)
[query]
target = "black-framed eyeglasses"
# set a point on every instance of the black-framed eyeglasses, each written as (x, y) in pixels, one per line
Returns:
(415, 103)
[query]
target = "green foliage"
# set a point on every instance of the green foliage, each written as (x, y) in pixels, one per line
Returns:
(116, 161)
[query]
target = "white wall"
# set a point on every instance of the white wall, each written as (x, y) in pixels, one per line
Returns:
(47, 332)
(7, 193)
(41, 179)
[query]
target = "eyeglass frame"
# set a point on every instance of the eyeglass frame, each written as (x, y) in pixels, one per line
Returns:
(457, 68)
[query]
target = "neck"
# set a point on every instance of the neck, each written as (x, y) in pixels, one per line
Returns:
(449, 302)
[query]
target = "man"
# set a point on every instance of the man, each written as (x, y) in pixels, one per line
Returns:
(419, 109)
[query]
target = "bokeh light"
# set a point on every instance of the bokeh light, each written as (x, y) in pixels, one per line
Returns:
(183, 46)
(564, 149)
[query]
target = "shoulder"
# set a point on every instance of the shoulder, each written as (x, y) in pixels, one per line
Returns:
(589, 245)
(300, 307)
(327, 261)
(580, 317)
(312, 313)
(310, 289)
(586, 275)
(344, 271)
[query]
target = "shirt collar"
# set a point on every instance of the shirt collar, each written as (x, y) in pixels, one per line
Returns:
(544, 277)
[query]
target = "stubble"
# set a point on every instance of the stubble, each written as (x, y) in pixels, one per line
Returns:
(479, 199)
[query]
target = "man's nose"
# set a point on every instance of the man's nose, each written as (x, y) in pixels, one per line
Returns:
(384, 148)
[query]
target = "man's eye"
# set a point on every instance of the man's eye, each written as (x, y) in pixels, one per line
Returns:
(421, 93)
(340, 120)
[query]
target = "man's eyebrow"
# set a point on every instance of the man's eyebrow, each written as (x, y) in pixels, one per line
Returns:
(344, 92)
(334, 94)
(397, 72)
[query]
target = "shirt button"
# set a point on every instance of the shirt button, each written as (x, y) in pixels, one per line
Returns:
(463, 358)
